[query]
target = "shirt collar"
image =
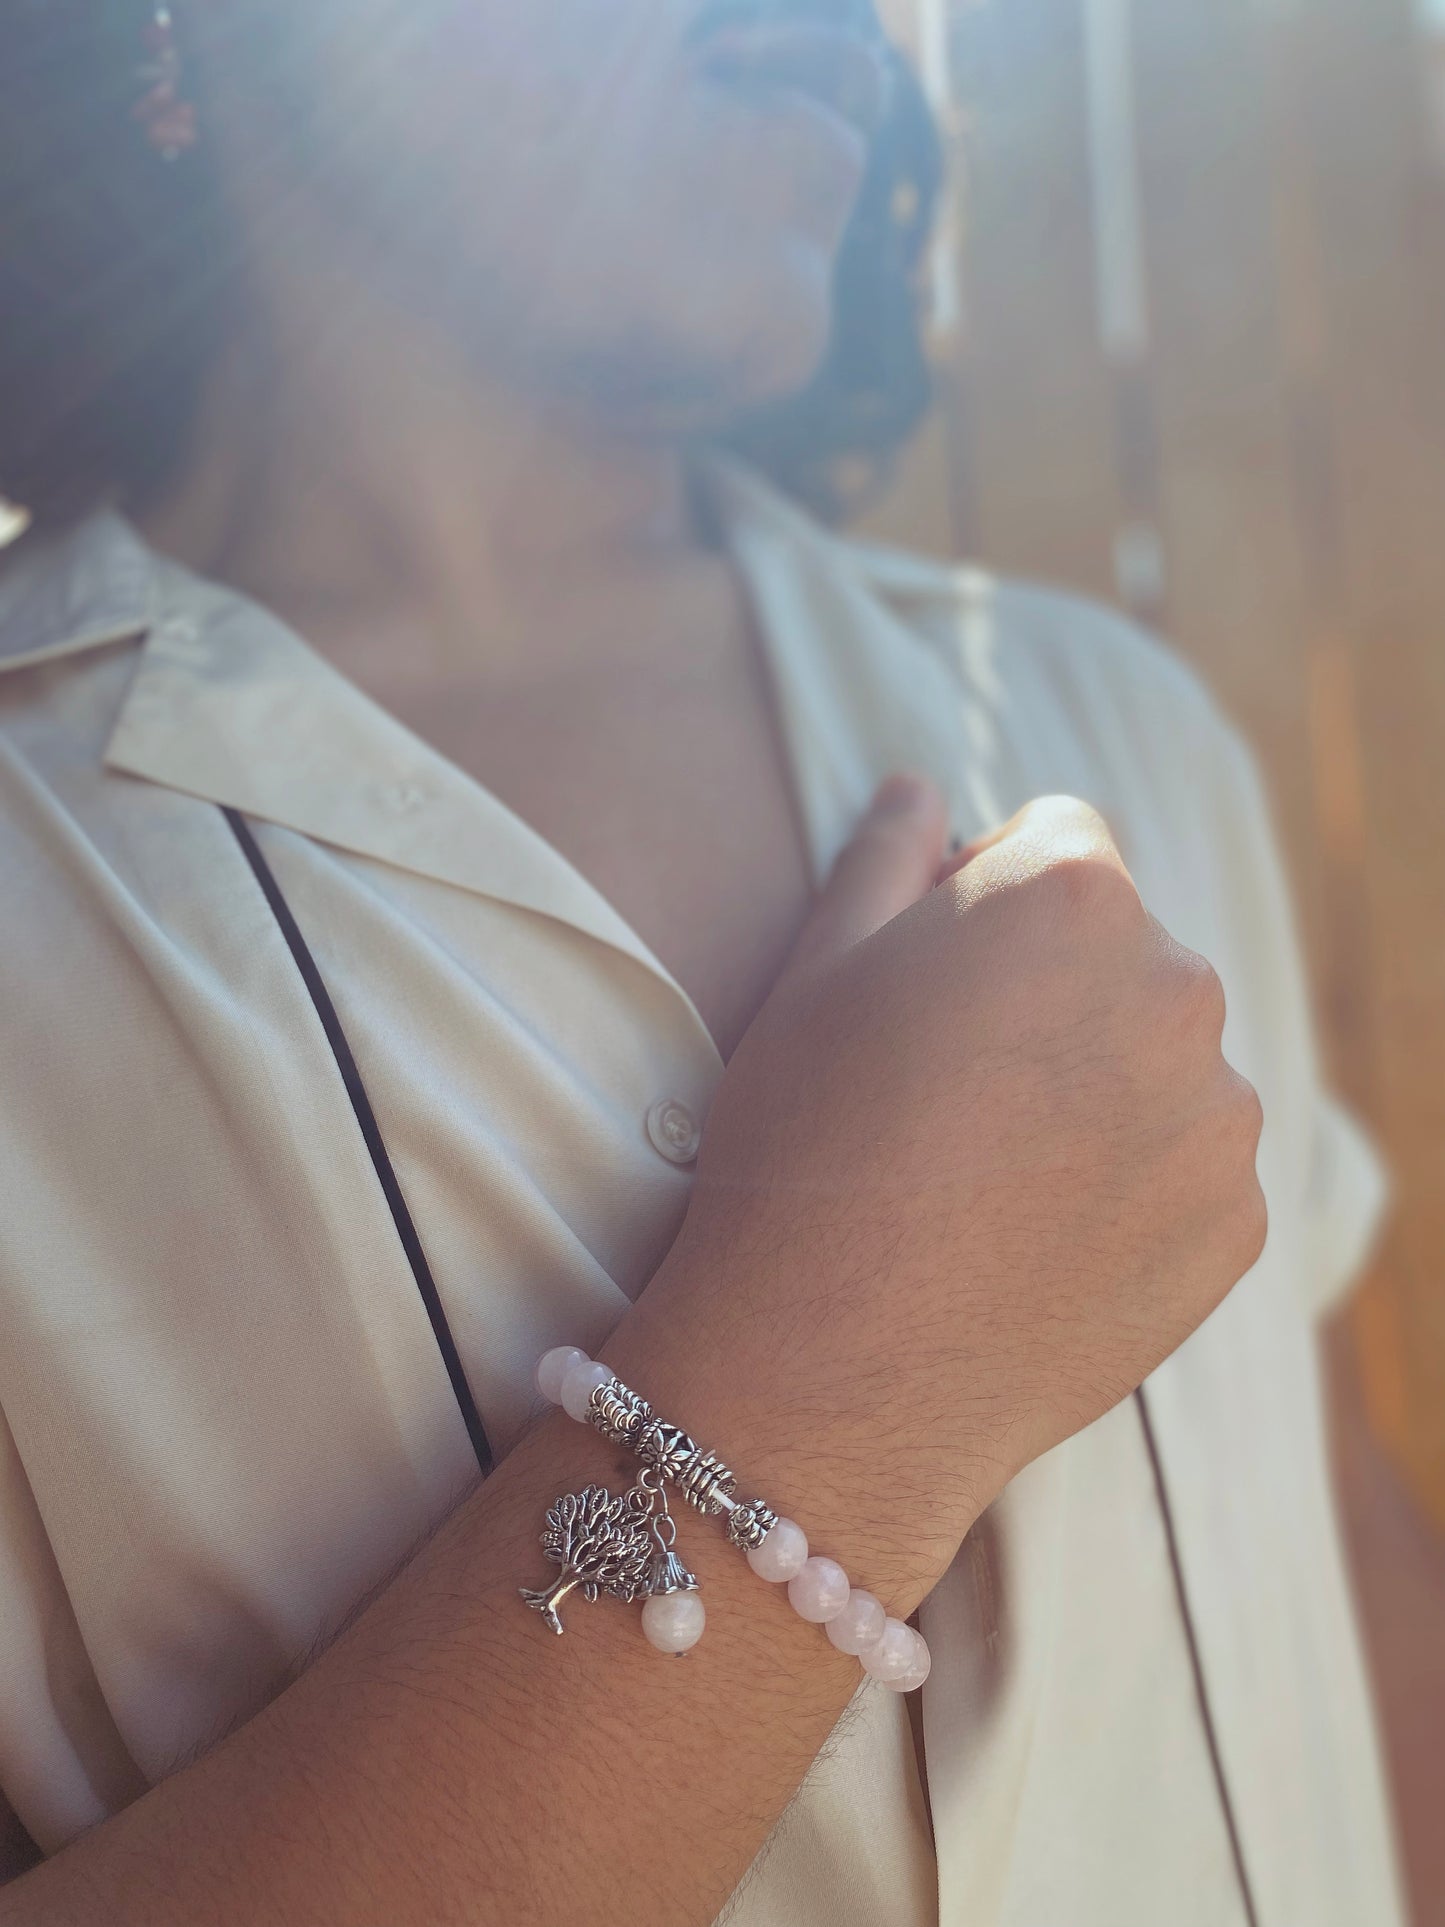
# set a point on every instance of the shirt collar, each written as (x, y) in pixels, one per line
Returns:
(92, 584)
(861, 690)
(229, 704)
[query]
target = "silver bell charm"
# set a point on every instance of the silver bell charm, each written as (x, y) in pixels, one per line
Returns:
(673, 1616)
(669, 1574)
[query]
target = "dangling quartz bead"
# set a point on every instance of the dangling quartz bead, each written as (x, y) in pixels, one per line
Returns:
(673, 1621)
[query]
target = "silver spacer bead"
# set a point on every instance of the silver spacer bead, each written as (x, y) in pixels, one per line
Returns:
(707, 1484)
(701, 1477)
(666, 1446)
(750, 1523)
(619, 1413)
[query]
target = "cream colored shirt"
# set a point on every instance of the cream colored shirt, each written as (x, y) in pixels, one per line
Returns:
(224, 1412)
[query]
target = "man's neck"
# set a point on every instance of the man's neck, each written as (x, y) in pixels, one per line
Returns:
(381, 475)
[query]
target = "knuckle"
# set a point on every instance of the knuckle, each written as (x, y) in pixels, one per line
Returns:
(1242, 1119)
(1199, 991)
(1067, 818)
(1249, 1212)
(1217, 1169)
(1089, 885)
(1251, 1111)
(1253, 1228)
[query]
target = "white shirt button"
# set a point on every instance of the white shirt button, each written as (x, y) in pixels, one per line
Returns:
(674, 1131)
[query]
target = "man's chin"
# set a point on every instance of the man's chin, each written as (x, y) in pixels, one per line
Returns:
(673, 383)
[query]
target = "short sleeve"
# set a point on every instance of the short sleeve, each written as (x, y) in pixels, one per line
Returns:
(1345, 1205)
(1342, 1183)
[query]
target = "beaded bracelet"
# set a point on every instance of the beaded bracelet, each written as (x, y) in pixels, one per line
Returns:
(624, 1544)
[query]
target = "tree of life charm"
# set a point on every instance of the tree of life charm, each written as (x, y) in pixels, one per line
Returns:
(602, 1542)
(618, 1544)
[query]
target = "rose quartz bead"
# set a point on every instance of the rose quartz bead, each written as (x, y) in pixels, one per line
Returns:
(894, 1656)
(923, 1664)
(673, 1621)
(579, 1382)
(783, 1553)
(860, 1624)
(820, 1591)
(552, 1368)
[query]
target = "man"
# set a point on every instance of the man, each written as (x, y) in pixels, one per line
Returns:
(367, 996)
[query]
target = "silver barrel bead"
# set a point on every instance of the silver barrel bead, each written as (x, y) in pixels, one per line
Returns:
(619, 1413)
(750, 1522)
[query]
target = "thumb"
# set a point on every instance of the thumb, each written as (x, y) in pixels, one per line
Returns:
(892, 860)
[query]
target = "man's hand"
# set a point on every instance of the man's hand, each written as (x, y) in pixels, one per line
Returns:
(1000, 1131)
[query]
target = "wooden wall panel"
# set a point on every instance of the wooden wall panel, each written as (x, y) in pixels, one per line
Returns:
(1380, 213)
(1236, 599)
(1032, 389)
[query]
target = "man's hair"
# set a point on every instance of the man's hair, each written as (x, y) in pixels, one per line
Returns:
(834, 444)
(116, 273)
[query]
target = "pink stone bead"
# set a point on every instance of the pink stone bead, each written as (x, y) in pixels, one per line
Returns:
(673, 1621)
(820, 1591)
(579, 1382)
(894, 1656)
(859, 1625)
(552, 1368)
(923, 1664)
(783, 1553)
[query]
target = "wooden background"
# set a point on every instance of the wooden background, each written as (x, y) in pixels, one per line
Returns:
(1191, 348)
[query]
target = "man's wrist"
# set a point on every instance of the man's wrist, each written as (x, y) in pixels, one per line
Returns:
(891, 1506)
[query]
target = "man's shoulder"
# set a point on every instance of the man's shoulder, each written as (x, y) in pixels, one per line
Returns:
(1023, 645)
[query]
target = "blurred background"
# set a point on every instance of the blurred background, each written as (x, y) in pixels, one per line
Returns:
(1189, 322)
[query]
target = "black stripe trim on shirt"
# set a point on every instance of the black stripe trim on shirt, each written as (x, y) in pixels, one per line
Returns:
(1196, 1662)
(371, 1132)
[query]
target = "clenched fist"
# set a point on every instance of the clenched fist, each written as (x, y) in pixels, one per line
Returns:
(980, 1165)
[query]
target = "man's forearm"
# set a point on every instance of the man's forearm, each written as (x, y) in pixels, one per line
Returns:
(447, 1759)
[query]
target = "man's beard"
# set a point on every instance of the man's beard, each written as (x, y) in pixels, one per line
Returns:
(646, 388)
